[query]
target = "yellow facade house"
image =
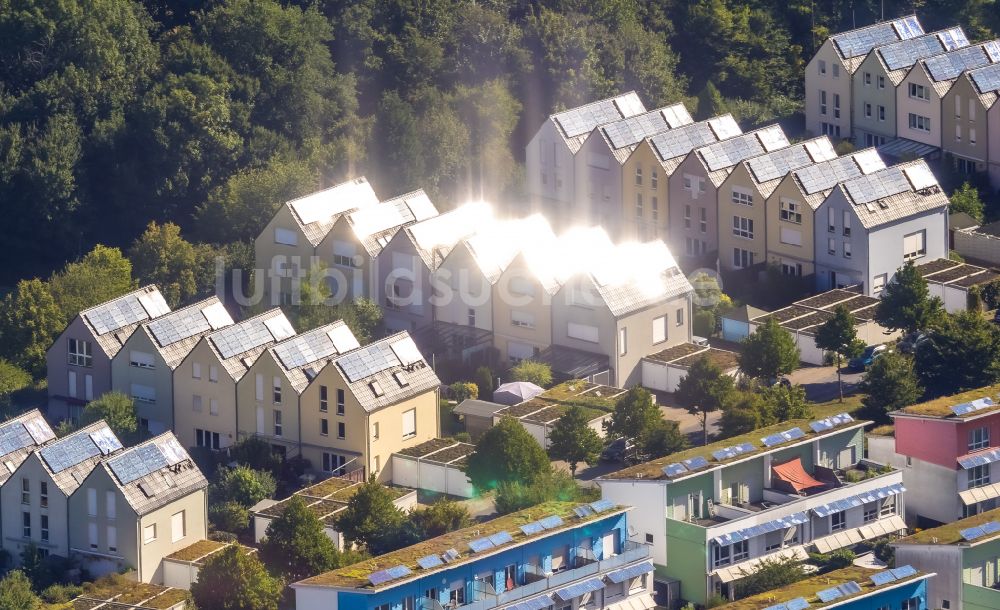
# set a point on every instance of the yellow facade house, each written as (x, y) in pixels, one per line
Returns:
(205, 412)
(268, 396)
(792, 205)
(144, 367)
(138, 506)
(743, 196)
(284, 249)
(367, 404)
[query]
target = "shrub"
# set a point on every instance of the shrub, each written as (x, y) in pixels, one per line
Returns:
(462, 390)
(60, 593)
(534, 372)
(229, 516)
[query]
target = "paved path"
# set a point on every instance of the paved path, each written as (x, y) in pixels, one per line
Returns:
(820, 382)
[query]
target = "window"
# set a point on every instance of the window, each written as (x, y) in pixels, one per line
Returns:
(205, 438)
(213, 374)
(831, 246)
(871, 512)
(838, 521)
(43, 496)
(790, 236)
(680, 317)
(687, 217)
(377, 464)
(868, 79)
(822, 102)
(693, 184)
(742, 198)
(470, 316)
(881, 82)
(910, 604)
(868, 110)
(324, 404)
(340, 401)
(285, 237)
(920, 123)
(196, 403)
(277, 423)
(638, 205)
(918, 92)
(110, 505)
(149, 533)
(141, 360)
(831, 218)
(259, 387)
(743, 227)
(791, 211)
(341, 428)
(92, 502)
(742, 259)
(792, 269)
(44, 527)
(914, 246)
(375, 430)
(972, 109)
(847, 223)
(881, 113)
(721, 555)
(836, 70)
(979, 438)
(836, 105)
(143, 393)
(409, 423)
(213, 407)
(456, 597)
(522, 319)
(622, 341)
(972, 136)
(703, 220)
(654, 180)
(92, 535)
(276, 394)
(638, 175)
(342, 260)
(80, 353)
(112, 541)
(822, 67)
(25, 491)
(324, 427)
(878, 283)
(582, 332)
(656, 208)
(979, 476)
(649, 539)
(958, 107)
(741, 550)
(847, 249)
(659, 329)
(333, 462)
(26, 524)
(177, 527)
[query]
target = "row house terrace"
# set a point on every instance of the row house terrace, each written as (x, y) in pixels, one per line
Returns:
(714, 513)
(971, 116)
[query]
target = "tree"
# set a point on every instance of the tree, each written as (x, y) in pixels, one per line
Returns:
(103, 274)
(838, 335)
(506, 452)
(772, 574)
(296, 546)
(229, 516)
(966, 199)
(710, 102)
(534, 372)
(462, 390)
(363, 316)
(243, 485)
(372, 519)
(235, 580)
(573, 440)
(439, 518)
(116, 409)
(740, 418)
(662, 439)
(12, 379)
(786, 402)
(16, 593)
(890, 384)
(703, 390)
(30, 320)
(769, 352)
(635, 415)
(549, 486)
(484, 381)
(961, 354)
(180, 269)
(906, 302)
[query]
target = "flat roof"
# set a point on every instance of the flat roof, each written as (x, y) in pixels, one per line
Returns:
(115, 591)
(950, 533)
(807, 314)
(953, 273)
(325, 499)
(941, 407)
(477, 408)
(441, 450)
(356, 576)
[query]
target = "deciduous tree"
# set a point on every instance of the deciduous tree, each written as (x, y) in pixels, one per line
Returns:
(180, 269)
(372, 519)
(103, 274)
(906, 303)
(532, 371)
(16, 593)
(243, 485)
(232, 579)
(961, 354)
(573, 441)
(635, 415)
(30, 319)
(116, 409)
(296, 547)
(704, 390)
(890, 384)
(839, 336)
(506, 452)
(769, 352)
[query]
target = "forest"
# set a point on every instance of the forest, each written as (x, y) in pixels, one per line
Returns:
(116, 113)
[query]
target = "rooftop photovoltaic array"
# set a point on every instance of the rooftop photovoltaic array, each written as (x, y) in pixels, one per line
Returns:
(500, 538)
(39, 429)
(695, 463)
(986, 529)
(728, 153)
(450, 555)
(783, 437)
(145, 459)
(480, 545)
(949, 65)
(583, 511)
(531, 529)
(820, 150)
(105, 440)
(908, 27)
(919, 176)
(326, 204)
(882, 578)
(953, 38)
(367, 361)
(632, 571)
(406, 350)
(856, 500)
(343, 339)
(679, 142)
(384, 576)
(430, 561)
(986, 79)
(674, 470)
(580, 588)
(773, 525)
(246, 336)
(824, 176)
(71, 450)
(180, 325)
(731, 452)
(992, 49)
(602, 505)
(582, 120)
(866, 189)
(980, 458)
(634, 129)
(116, 314)
(551, 522)
(799, 603)
(859, 42)
(831, 422)
(305, 349)
(844, 590)
(13, 436)
(972, 406)
(905, 53)
(777, 164)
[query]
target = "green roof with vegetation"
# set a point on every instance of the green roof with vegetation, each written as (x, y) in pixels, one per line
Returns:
(121, 590)
(809, 587)
(356, 576)
(950, 533)
(583, 393)
(941, 406)
(326, 498)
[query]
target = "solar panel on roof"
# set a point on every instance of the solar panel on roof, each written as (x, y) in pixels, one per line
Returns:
(629, 105)
(676, 116)
(903, 571)
(550, 522)
(882, 578)
(908, 27)
(905, 53)
(137, 463)
(430, 561)
(217, 316)
(14, 436)
(602, 505)
(117, 314)
(39, 429)
(971, 533)
(301, 350)
(279, 327)
(972, 406)
(480, 545)
(367, 361)
(380, 577)
(828, 595)
(583, 511)
(450, 555)
(858, 42)
(178, 326)
(579, 121)
(531, 529)
(343, 339)
(772, 138)
(794, 433)
(500, 538)
(986, 79)
(777, 164)
(154, 304)
(992, 49)
(920, 176)
(240, 338)
(172, 450)
(953, 38)
(724, 127)
(799, 603)
(947, 66)
(406, 350)
(695, 463)
(820, 150)
(634, 129)
(991, 527)
(69, 451)
(727, 153)
(105, 440)
(870, 188)
(722, 454)
(980, 458)
(673, 470)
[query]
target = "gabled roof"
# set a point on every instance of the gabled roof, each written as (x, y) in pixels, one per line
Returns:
(636, 276)
(897, 58)
(894, 193)
(154, 473)
(853, 45)
(238, 346)
(434, 238)
(817, 180)
(986, 82)
(673, 146)
(316, 213)
(175, 334)
(112, 322)
(768, 169)
(943, 69)
(375, 225)
(70, 459)
(721, 157)
(575, 124)
(496, 244)
(19, 437)
(624, 135)
(304, 355)
(386, 371)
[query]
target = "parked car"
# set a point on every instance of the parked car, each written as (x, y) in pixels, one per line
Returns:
(911, 341)
(618, 450)
(867, 357)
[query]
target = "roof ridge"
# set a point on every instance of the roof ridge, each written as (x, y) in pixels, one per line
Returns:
(136, 292)
(610, 98)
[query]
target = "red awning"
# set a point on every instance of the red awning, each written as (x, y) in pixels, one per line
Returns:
(795, 475)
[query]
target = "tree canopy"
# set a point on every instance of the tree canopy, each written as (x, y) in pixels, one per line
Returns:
(944, 362)
(906, 303)
(704, 389)
(296, 547)
(116, 409)
(371, 518)
(506, 452)
(534, 372)
(769, 352)
(890, 384)
(838, 335)
(635, 415)
(573, 440)
(235, 580)
(16, 592)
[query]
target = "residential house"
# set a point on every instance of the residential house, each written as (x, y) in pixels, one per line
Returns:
(694, 188)
(868, 227)
(743, 198)
(284, 250)
(607, 196)
(205, 407)
(405, 264)
(620, 302)
(964, 556)
(138, 506)
(829, 73)
(78, 363)
(945, 448)
(144, 367)
(971, 115)
(670, 149)
(778, 492)
(851, 588)
(268, 395)
(792, 205)
(876, 80)
(365, 405)
(919, 110)
(35, 500)
(547, 556)
(550, 157)
(22, 435)
(356, 239)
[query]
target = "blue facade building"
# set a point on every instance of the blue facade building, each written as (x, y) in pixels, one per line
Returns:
(554, 556)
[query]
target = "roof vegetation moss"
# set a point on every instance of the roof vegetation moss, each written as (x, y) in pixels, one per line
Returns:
(949, 533)
(941, 406)
(197, 550)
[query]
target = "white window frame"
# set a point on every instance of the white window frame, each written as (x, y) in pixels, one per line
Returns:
(743, 227)
(149, 533)
(979, 438)
(659, 329)
(174, 521)
(409, 425)
(80, 352)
